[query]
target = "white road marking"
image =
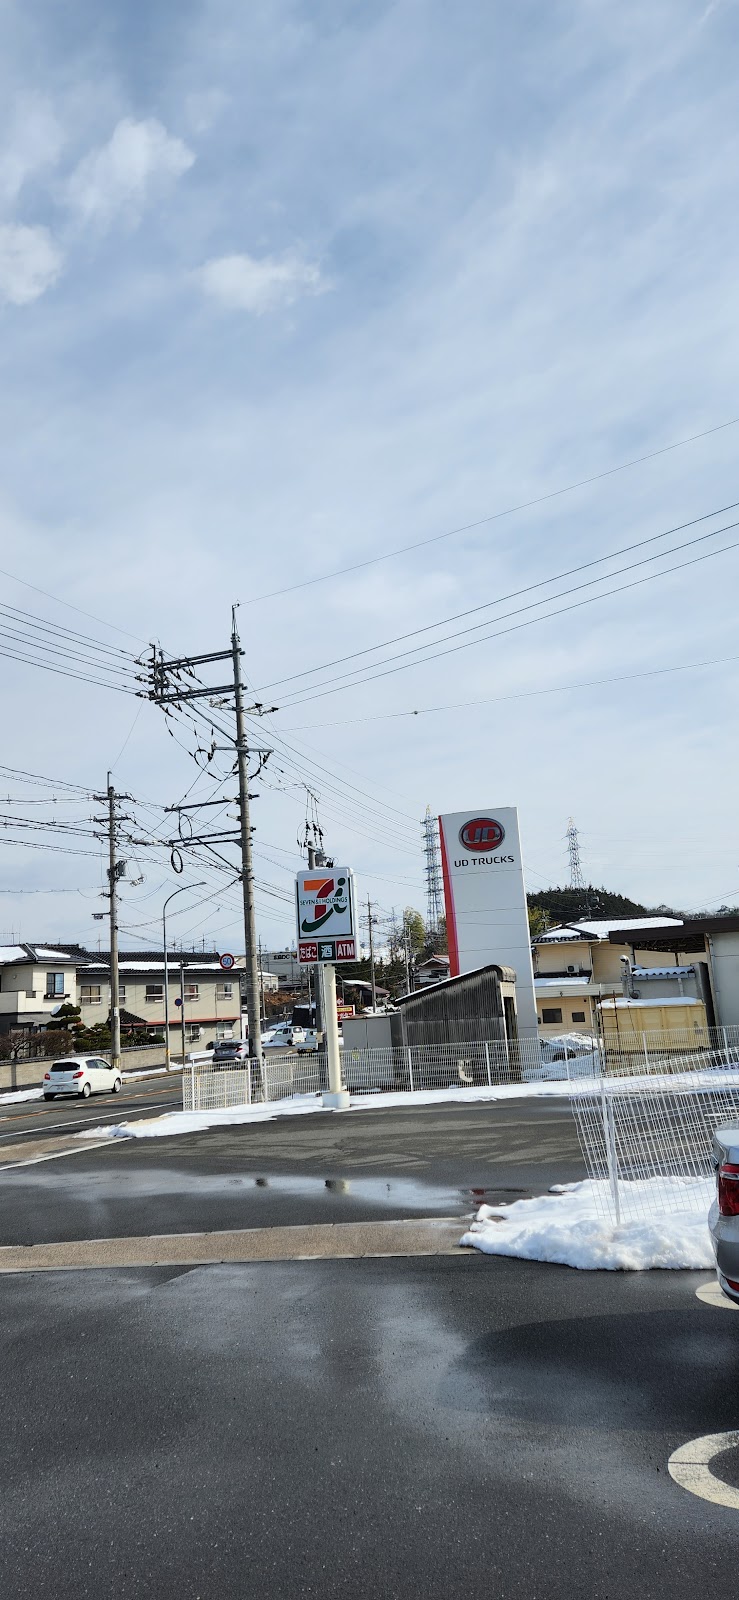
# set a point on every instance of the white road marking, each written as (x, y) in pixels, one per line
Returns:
(56, 1155)
(713, 1295)
(690, 1467)
(84, 1122)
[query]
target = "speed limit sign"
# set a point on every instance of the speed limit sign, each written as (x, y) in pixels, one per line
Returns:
(227, 962)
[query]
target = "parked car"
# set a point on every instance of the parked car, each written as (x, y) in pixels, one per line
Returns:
(283, 1037)
(309, 1045)
(723, 1217)
(228, 1052)
(81, 1076)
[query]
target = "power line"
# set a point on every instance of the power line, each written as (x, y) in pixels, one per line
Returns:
(530, 622)
(522, 694)
(496, 516)
(515, 594)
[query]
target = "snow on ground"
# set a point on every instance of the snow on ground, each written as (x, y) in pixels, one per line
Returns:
(20, 1094)
(174, 1122)
(571, 1226)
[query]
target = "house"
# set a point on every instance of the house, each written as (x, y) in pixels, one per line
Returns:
(578, 966)
(433, 970)
(36, 979)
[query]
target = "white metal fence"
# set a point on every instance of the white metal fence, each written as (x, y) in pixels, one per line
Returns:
(646, 1107)
(413, 1068)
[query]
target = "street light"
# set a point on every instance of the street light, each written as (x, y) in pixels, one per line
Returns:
(181, 890)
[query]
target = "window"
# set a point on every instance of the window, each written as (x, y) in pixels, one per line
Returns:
(90, 994)
(551, 1014)
(578, 1016)
(193, 1031)
(192, 991)
(224, 991)
(54, 983)
(154, 993)
(122, 993)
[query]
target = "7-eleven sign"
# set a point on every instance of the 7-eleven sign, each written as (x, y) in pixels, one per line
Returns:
(325, 910)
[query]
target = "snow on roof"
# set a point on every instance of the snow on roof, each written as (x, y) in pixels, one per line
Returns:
(13, 952)
(656, 1000)
(42, 954)
(601, 930)
(560, 983)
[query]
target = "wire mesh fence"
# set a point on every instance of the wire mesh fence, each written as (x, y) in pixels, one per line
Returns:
(408, 1069)
(646, 1112)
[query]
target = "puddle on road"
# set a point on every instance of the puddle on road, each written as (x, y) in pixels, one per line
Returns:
(396, 1193)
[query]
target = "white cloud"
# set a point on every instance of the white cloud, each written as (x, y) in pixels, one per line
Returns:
(30, 262)
(120, 177)
(243, 283)
(33, 142)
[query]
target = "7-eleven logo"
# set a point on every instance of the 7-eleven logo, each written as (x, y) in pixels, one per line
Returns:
(328, 895)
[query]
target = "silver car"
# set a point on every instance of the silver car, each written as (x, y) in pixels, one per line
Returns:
(723, 1217)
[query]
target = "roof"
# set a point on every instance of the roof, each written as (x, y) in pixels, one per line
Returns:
(664, 1000)
(25, 953)
(561, 983)
(603, 929)
(506, 975)
(690, 937)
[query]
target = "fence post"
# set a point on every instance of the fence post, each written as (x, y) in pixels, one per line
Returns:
(726, 1047)
(192, 1085)
(487, 1063)
(646, 1052)
(410, 1067)
(609, 1135)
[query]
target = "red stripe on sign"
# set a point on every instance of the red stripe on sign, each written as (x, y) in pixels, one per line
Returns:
(451, 920)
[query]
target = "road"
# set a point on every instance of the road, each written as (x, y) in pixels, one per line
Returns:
(430, 1427)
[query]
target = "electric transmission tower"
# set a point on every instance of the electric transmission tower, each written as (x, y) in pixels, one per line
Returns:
(434, 901)
(577, 880)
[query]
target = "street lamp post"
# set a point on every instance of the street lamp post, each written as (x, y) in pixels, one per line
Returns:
(181, 890)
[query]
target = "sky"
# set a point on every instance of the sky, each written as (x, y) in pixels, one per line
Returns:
(289, 287)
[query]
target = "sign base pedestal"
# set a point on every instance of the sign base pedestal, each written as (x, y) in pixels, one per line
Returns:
(336, 1100)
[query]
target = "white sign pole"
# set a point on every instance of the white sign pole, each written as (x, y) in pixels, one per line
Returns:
(337, 1097)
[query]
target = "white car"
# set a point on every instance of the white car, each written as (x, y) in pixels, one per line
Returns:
(308, 1045)
(82, 1076)
(282, 1037)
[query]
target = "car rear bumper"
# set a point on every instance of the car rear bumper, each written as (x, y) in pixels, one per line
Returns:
(725, 1240)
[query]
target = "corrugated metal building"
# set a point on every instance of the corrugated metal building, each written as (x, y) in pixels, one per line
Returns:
(475, 1006)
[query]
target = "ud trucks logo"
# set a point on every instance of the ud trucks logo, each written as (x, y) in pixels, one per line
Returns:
(330, 896)
(482, 833)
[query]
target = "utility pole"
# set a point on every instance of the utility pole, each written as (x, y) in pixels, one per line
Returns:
(372, 954)
(166, 688)
(182, 1010)
(247, 868)
(115, 985)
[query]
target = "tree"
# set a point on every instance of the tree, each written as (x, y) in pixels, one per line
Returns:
(538, 921)
(415, 929)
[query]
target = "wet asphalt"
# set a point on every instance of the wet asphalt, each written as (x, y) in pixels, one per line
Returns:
(432, 1427)
(345, 1167)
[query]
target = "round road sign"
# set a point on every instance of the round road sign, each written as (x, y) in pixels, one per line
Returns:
(227, 962)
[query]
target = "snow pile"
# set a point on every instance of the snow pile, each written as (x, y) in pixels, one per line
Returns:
(16, 1095)
(571, 1226)
(296, 1105)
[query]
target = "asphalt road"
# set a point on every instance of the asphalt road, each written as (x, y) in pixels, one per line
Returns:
(433, 1427)
(360, 1165)
(44, 1118)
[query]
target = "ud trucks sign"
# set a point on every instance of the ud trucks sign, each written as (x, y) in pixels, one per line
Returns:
(326, 915)
(485, 898)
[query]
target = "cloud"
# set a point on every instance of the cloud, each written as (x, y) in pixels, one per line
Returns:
(120, 177)
(30, 262)
(243, 283)
(32, 143)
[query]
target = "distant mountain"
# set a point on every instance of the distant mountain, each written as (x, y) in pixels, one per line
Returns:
(575, 905)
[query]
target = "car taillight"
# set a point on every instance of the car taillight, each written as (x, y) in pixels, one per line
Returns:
(728, 1189)
(46, 1075)
(81, 1075)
